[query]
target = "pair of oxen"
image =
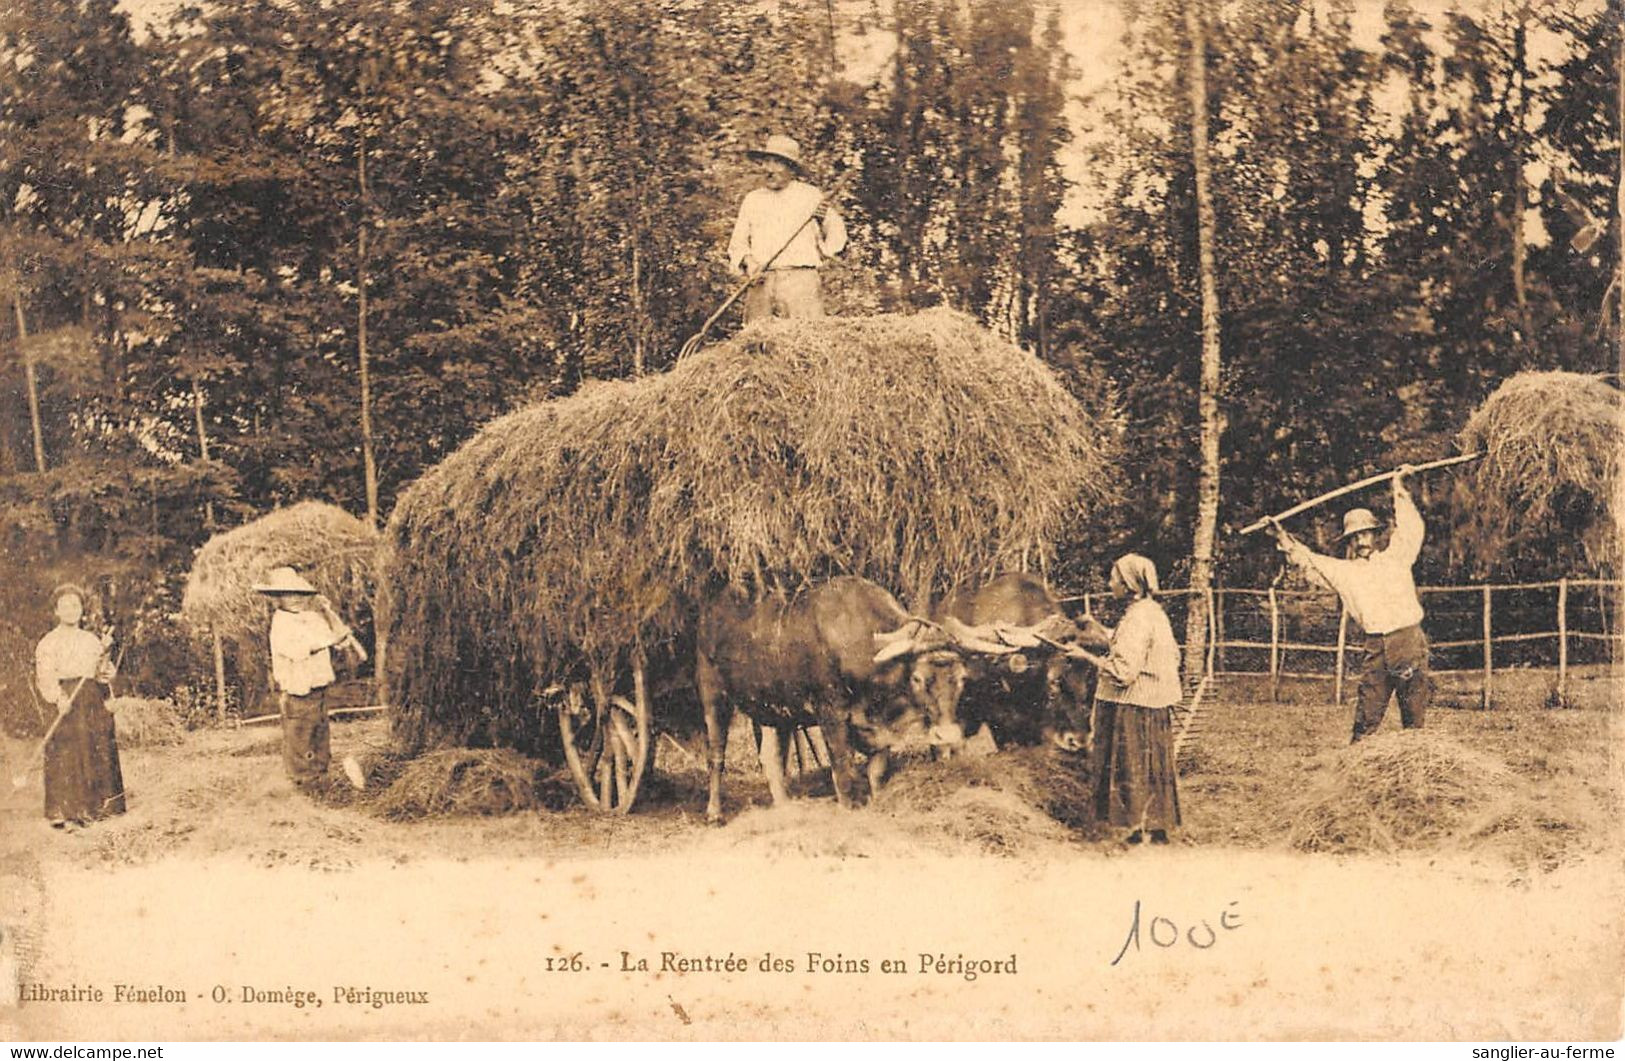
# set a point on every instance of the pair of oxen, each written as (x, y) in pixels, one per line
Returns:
(847, 657)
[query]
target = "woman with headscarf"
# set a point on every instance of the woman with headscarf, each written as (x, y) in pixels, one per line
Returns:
(1134, 772)
(83, 781)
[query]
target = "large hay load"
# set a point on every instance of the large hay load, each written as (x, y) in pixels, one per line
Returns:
(337, 552)
(1553, 445)
(577, 536)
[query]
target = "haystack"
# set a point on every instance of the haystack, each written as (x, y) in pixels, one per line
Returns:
(913, 450)
(1411, 790)
(330, 547)
(1553, 445)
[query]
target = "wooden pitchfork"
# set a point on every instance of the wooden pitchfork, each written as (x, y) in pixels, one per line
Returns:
(1332, 495)
(332, 616)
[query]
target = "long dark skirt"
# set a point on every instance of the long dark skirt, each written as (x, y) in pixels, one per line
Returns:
(1135, 778)
(82, 777)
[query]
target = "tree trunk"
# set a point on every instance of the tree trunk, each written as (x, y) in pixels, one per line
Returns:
(202, 444)
(1619, 191)
(834, 58)
(30, 376)
(1520, 193)
(1207, 491)
(639, 355)
(369, 467)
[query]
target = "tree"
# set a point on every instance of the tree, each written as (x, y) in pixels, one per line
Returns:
(1207, 504)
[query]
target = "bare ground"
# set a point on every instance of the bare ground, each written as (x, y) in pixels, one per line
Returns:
(222, 878)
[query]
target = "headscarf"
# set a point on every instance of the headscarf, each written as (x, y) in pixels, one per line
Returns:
(1138, 574)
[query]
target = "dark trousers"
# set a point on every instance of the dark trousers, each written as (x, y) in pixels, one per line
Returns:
(1394, 663)
(306, 751)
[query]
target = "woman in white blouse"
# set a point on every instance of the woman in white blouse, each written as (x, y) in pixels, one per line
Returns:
(1134, 775)
(83, 781)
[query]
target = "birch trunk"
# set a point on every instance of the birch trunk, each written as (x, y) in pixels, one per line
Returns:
(1207, 490)
(369, 466)
(30, 376)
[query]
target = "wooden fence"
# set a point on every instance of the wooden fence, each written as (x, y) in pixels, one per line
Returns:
(1575, 618)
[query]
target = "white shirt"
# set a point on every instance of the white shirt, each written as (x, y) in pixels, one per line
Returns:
(768, 217)
(301, 656)
(1143, 667)
(1379, 591)
(66, 654)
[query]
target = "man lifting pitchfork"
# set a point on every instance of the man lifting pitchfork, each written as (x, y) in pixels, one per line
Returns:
(1379, 591)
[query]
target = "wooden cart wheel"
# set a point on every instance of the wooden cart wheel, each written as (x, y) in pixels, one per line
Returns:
(609, 744)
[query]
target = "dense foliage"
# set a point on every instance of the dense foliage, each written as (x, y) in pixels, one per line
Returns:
(534, 195)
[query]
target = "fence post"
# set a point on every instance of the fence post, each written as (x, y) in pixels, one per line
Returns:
(1275, 648)
(1218, 626)
(1212, 630)
(1488, 666)
(1562, 637)
(219, 675)
(1342, 644)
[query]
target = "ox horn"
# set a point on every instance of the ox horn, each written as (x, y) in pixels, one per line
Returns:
(1069, 637)
(902, 633)
(905, 640)
(1017, 636)
(1064, 648)
(985, 639)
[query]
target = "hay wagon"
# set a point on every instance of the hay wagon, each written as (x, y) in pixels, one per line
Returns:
(544, 578)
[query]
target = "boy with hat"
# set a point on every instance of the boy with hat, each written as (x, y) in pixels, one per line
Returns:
(1379, 591)
(784, 231)
(304, 631)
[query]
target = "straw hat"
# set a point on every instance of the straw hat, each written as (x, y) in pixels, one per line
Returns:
(780, 147)
(70, 589)
(1356, 520)
(283, 580)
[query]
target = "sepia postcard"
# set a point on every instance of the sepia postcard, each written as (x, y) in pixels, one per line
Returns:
(836, 520)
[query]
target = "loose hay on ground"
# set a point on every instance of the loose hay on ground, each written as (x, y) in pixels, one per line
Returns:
(1000, 804)
(465, 781)
(1420, 790)
(1011, 804)
(146, 723)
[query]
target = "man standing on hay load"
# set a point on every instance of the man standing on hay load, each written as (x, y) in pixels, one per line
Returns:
(783, 233)
(304, 631)
(1379, 591)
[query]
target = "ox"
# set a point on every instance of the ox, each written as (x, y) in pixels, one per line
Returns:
(1020, 702)
(871, 676)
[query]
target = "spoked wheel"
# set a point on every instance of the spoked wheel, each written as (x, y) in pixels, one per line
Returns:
(808, 748)
(608, 744)
(805, 752)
